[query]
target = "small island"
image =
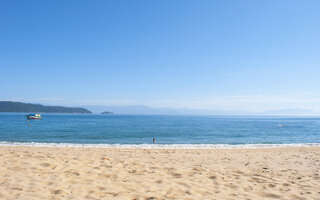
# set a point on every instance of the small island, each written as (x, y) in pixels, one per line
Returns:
(107, 113)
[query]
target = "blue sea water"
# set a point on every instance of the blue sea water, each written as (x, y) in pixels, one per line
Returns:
(135, 130)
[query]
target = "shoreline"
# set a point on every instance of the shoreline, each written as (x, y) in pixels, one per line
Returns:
(157, 146)
(122, 173)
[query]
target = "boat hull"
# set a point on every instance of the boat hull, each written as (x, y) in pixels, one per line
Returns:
(34, 116)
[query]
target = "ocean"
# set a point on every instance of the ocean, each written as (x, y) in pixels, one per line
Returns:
(138, 131)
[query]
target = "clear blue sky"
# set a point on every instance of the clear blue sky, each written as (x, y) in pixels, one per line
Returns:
(243, 55)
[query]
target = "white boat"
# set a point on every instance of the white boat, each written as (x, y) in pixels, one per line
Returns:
(33, 116)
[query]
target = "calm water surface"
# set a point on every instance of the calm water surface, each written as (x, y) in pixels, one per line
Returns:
(135, 129)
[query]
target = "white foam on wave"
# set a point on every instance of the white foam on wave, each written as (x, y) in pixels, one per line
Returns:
(159, 146)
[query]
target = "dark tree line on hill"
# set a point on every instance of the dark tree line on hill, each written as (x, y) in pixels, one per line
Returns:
(10, 106)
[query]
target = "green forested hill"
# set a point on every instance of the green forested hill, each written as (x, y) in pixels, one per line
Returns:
(10, 106)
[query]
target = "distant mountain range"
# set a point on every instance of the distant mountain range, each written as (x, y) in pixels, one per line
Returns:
(10, 106)
(146, 110)
(295, 111)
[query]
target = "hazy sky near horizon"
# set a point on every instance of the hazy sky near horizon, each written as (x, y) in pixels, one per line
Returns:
(231, 55)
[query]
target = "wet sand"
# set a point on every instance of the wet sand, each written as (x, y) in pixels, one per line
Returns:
(105, 173)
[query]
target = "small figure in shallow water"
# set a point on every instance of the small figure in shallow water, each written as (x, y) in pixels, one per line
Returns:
(154, 141)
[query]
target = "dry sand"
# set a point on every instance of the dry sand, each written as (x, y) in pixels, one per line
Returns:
(92, 173)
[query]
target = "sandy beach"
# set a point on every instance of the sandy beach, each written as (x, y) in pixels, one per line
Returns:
(104, 173)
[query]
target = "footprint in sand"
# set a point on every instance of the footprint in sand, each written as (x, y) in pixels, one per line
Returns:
(176, 175)
(269, 195)
(56, 192)
(72, 173)
(45, 164)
